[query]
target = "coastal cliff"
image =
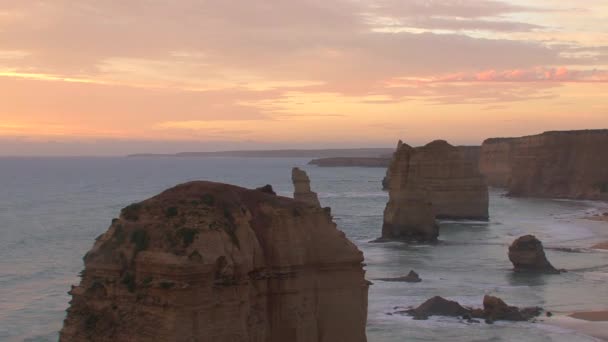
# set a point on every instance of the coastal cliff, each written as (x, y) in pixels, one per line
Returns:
(302, 191)
(214, 262)
(569, 164)
(559, 164)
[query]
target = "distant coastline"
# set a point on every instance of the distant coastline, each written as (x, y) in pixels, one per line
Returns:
(290, 153)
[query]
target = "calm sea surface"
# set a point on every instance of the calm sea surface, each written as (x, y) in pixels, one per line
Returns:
(51, 209)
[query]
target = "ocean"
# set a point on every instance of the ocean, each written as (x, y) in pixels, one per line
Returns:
(52, 209)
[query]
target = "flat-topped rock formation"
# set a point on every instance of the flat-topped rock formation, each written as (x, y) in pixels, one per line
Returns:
(302, 191)
(351, 162)
(409, 213)
(527, 254)
(559, 164)
(437, 180)
(214, 262)
(456, 187)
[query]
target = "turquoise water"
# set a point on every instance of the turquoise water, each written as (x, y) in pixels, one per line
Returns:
(51, 209)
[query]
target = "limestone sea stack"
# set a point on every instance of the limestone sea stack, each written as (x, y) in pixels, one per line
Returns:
(495, 161)
(409, 213)
(456, 187)
(214, 262)
(559, 164)
(527, 255)
(302, 191)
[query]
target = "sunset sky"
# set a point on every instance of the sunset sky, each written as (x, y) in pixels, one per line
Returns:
(111, 77)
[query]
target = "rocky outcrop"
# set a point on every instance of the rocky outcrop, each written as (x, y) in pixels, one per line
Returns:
(214, 262)
(571, 164)
(302, 191)
(436, 180)
(411, 277)
(470, 153)
(494, 309)
(527, 255)
(456, 187)
(409, 214)
(351, 162)
(559, 164)
(495, 161)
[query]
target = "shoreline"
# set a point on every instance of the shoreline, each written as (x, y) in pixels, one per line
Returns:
(590, 323)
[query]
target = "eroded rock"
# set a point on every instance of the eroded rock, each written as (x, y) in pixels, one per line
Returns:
(527, 255)
(411, 277)
(214, 262)
(302, 191)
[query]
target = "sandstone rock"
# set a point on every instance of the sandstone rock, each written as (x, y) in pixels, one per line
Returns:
(411, 277)
(214, 262)
(436, 180)
(438, 306)
(302, 191)
(494, 309)
(495, 161)
(527, 255)
(559, 164)
(409, 214)
(456, 187)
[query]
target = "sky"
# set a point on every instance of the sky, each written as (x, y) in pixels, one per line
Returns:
(112, 77)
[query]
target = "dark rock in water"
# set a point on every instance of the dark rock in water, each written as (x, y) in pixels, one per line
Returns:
(439, 306)
(494, 309)
(267, 189)
(412, 277)
(527, 255)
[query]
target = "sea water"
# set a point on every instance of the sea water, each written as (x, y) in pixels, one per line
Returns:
(51, 210)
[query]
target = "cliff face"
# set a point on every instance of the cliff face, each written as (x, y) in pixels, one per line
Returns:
(214, 262)
(409, 213)
(495, 161)
(570, 164)
(456, 187)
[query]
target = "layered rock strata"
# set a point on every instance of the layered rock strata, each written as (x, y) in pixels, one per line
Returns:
(559, 164)
(409, 213)
(526, 254)
(214, 262)
(434, 181)
(302, 191)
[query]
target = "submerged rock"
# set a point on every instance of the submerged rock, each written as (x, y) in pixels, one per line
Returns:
(438, 306)
(302, 191)
(411, 277)
(527, 255)
(214, 262)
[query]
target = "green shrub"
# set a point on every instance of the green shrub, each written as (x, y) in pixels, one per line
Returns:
(187, 235)
(171, 212)
(129, 280)
(131, 212)
(147, 281)
(603, 187)
(140, 239)
(208, 199)
(167, 284)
